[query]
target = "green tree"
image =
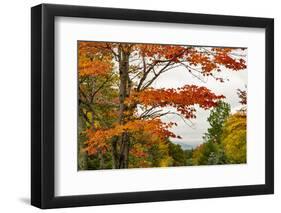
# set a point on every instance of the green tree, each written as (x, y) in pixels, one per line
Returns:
(216, 120)
(211, 152)
(234, 138)
(188, 156)
(178, 155)
(207, 154)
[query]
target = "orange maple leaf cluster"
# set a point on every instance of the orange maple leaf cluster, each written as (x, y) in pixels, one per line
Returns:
(183, 99)
(161, 51)
(207, 59)
(94, 68)
(212, 59)
(94, 59)
(229, 62)
(98, 140)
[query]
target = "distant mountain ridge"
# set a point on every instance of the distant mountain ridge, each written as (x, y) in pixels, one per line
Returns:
(185, 146)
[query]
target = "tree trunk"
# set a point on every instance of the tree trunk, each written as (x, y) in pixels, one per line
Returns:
(101, 160)
(126, 150)
(82, 156)
(123, 93)
(114, 153)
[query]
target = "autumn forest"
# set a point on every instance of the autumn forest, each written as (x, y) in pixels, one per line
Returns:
(135, 110)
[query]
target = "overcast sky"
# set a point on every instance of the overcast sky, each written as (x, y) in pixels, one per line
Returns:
(180, 77)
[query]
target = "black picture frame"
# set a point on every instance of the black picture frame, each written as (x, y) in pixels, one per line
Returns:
(43, 102)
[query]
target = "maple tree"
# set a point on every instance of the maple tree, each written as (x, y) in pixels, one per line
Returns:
(122, 108)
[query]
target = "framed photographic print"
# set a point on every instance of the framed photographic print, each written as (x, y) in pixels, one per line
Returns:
(139, 106)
